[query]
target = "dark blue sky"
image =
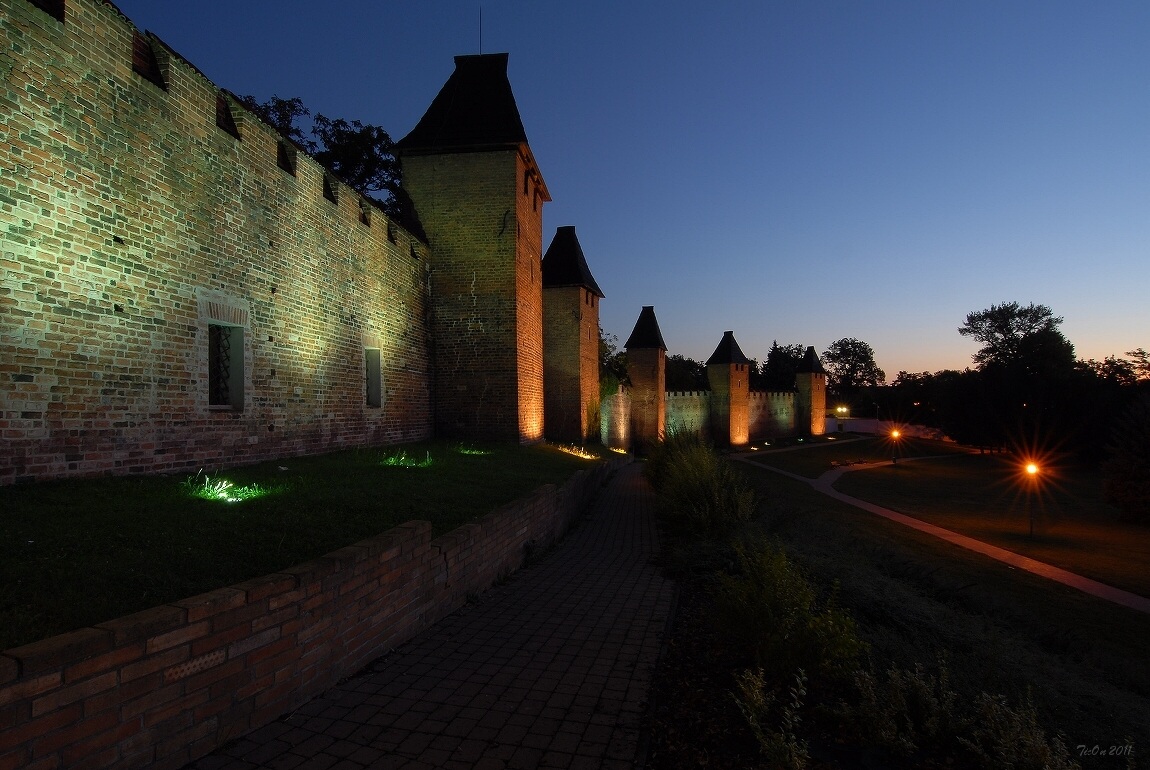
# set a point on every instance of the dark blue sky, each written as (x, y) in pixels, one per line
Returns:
(799, 171)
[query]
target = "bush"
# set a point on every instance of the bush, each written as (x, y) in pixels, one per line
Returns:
(771, 608)
(698, 489)
(910, 711)
(782, 747)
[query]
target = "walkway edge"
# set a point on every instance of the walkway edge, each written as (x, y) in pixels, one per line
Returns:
(824, 484)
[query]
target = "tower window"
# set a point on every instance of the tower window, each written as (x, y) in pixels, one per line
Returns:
(330, 188)
(226, 366)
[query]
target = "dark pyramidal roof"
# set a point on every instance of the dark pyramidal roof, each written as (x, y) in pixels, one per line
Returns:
(646, 333)
(810, 363)
(565, 265)
(474, 110)
(728, 352)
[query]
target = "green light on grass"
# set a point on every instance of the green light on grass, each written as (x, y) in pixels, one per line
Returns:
(222, 490)
(402, 459)
(463, 449)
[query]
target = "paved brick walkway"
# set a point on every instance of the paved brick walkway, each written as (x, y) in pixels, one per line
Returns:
(550, 670)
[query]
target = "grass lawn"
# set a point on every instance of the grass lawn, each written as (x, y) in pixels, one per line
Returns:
(813, 460)
(980, 496)
(74, 553)
(1081, 660)
(917, 601)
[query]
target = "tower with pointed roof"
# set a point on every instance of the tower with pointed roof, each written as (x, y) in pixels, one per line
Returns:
(810, 396)
(647, 370)
(570, 341)
(729, 377)
(479, 195)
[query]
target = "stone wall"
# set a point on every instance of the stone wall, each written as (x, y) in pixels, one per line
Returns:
(142, 206)
(167, 685)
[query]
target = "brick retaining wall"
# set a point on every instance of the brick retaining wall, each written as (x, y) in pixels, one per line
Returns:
(167, 685)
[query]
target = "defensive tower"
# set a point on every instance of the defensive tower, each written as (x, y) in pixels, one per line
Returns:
(570, 341)
(647, 370)
(811, 396)
(728, 375)
(479, 195)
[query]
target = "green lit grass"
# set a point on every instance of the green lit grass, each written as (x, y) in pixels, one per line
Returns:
(74, 553)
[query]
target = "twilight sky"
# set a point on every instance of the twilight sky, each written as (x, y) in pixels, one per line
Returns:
(801, 171)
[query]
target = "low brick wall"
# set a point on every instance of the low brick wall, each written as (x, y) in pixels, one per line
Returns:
(167, 685)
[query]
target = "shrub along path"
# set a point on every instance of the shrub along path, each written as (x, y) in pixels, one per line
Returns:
(551, 669)
(825, 484)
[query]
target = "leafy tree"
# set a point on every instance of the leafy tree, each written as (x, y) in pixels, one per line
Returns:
(612, 364)
(778, 371)
(1012, 335)
(362, 155)
(1112, 369)
(1127, 471)
(284, 115)
(1140, 363)
(684, 374)
(850, 366)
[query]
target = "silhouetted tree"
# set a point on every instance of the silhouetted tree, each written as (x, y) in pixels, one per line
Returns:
(778, 371)
(1127, 471)
(612, 364)
(284, 115)
(686, 374)
(361, 155)
(1013, 335)
(851, 366)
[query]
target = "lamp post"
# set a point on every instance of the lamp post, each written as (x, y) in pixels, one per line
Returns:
(1031, 484)
(894, 434)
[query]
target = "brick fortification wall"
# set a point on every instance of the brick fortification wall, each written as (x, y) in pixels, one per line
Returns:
(771, 414)
(167, 685)
(133, 222)
(689, 411)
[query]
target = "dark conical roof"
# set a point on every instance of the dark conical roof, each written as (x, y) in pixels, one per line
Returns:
(728, 352)
(474, 110)
(565, 265)
(810, 363)
(646, 333)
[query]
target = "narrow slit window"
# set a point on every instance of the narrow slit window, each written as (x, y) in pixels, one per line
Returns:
(365, 213)
(374, 373)
(285, 156)
(54, 8)
(145, 63)
(224, 117)
(330, 188)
